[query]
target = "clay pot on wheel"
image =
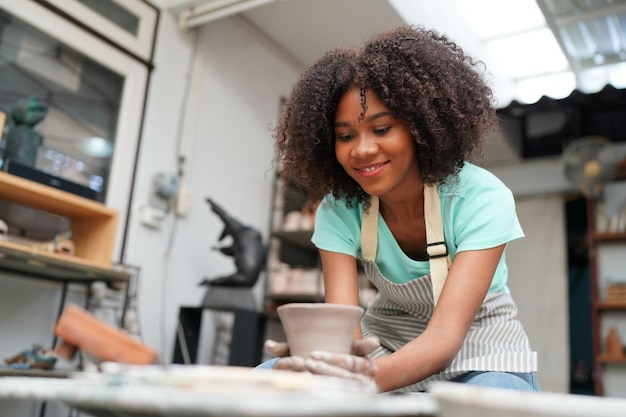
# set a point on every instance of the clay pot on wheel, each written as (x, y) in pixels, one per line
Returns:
(319, 326)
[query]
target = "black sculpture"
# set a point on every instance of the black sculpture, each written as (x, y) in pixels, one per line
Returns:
(247, 248)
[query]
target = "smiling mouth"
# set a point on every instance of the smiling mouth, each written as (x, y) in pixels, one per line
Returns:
(371, 170)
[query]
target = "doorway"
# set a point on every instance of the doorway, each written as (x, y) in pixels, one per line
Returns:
(579, 292)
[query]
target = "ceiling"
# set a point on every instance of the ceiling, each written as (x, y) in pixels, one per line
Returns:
(591, 35)
(531, 48)
(306, 29)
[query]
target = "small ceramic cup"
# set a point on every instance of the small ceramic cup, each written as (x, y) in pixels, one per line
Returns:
(319, 326)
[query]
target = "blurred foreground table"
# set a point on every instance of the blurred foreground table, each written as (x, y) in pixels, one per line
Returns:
(463, 400)
(205, 391)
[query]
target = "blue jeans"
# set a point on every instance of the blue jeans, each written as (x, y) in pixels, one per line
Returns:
(269, 364)
(509, 380)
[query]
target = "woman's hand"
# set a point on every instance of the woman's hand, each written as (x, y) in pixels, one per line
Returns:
(356, 365)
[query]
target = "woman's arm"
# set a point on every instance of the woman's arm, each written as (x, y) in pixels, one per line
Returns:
(465, 289)
(341, 283)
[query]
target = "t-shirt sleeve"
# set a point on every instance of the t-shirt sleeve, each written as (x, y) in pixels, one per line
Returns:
(337, 228)
(487, 217)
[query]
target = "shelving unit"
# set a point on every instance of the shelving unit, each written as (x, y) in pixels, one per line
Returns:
(291, 249)
(93, 227)
(298, 238)
(293, 268)
(601, 307)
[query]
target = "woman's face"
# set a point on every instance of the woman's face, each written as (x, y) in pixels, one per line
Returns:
(377, 150)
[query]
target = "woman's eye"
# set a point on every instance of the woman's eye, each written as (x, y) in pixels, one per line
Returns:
(382, 130)
(345, 137)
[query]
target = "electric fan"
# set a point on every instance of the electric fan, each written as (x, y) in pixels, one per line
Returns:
(590, 161)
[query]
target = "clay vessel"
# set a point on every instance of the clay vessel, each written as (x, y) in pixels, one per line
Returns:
(319, 326)
(613, 343)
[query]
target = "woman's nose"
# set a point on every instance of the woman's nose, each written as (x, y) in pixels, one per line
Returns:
(365, 146)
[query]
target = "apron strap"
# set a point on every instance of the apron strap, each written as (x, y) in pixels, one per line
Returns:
(435, 247)
(435, 244)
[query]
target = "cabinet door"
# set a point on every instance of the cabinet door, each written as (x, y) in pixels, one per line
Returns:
(93, 89)
(129, 23)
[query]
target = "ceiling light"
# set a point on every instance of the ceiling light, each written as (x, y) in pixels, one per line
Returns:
(529, 54)
(598, 58)
(617, 74)
(554, 86)
(97, 147)
(495, 18)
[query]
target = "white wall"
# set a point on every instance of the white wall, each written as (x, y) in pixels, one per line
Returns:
(538, 282)
(226, 141)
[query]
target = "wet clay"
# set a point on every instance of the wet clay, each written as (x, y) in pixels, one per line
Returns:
(319, 326)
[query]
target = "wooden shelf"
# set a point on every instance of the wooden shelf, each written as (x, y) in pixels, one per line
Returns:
(62, 203)
(299, 238)
(609, 237)
(38, 373)
(55, 267)
(273, 301)
(603, 358)
(93, 225)
(611, 305)
(295, 298)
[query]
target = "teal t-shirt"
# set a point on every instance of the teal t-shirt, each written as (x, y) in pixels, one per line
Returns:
(477, 211)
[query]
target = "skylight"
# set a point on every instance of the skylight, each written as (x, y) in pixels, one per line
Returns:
(533, 48)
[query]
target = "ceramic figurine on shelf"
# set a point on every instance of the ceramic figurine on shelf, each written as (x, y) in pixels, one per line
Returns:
(613, 344)
(23, 140)
(247, 249)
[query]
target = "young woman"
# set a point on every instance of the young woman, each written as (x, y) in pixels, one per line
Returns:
(383, 135)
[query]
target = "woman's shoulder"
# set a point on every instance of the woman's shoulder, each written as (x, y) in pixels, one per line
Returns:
(340, 208)
(330, 202)
(473, 178)
(337, 225)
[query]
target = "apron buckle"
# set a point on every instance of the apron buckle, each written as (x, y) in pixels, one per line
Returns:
(436, 249)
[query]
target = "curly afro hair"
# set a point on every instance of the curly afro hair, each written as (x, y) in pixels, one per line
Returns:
(421, 76)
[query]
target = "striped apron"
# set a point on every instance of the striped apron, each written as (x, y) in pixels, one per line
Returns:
(496, 341)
